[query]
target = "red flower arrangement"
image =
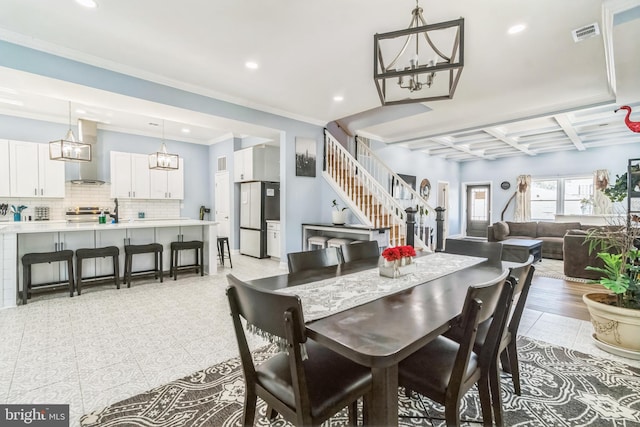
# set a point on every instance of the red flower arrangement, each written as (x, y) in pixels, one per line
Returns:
(398, 252)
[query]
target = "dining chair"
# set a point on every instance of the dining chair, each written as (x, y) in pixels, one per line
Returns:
(361, 250)
(507, 344)
(317, 258)
(490, 250)
(304, 390)
(444, 370)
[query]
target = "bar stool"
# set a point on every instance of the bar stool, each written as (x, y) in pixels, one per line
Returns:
(221, 242)
(88, 253)
(336, 242)
(176, 247)
(131, 250)
(320, 241)
(40, 258)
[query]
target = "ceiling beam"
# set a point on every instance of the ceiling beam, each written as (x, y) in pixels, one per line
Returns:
(508, 140)
(477, 153)
(568, 128)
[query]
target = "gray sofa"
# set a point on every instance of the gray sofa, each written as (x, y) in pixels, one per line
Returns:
(551, 234)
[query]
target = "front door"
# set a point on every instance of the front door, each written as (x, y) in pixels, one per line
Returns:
(478, 210)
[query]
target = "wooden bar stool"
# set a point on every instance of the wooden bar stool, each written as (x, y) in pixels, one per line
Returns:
(336, 242)
(40, 258)
(176, 247)
(88, 253)
(131, 250)
(221, 243)
(320, 241)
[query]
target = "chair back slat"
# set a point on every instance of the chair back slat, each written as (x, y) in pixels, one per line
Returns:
(318, 258)
(361, 250)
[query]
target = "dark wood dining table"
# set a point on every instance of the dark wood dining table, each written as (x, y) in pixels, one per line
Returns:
(381, 333)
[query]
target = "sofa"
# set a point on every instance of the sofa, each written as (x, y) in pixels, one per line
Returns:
(551, 234)
(577, 256)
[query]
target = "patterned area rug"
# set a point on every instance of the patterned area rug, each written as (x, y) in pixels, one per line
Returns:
(554, 268)
(560, 387)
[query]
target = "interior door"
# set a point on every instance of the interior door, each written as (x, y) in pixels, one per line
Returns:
(478, 210)
(222, 204)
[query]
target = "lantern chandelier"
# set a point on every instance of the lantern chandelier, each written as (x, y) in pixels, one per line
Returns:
(68, 149)
(162, 160)
(406, 61)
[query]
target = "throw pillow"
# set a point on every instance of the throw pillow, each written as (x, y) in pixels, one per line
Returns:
(500, 230)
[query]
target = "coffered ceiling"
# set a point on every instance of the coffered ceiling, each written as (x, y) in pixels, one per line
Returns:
(529, 93)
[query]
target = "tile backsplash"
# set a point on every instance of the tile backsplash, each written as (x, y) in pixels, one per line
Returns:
(94, 195)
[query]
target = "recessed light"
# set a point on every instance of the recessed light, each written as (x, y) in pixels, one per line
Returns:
(338, 98)
(88, 3)
(251, 65)
(186, 130)
(517, 29)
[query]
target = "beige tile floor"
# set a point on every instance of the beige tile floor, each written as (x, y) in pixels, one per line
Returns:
(108, 344)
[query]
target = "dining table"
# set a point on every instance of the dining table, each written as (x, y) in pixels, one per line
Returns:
(382, 332)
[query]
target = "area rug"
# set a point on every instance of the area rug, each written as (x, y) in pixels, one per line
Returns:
(554, 268)
(560, 387)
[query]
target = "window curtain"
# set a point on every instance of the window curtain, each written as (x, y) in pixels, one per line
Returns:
(601, 203)
(523, 199)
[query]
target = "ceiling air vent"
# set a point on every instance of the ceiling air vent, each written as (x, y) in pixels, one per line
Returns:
(585, 32)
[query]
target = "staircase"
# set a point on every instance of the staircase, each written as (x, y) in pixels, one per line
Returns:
(365, 187)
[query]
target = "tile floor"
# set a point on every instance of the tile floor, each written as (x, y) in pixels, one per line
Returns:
(108, 344)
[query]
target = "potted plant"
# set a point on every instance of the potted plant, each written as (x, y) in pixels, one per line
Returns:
(338, 215)
(615, 315)
(585, 205)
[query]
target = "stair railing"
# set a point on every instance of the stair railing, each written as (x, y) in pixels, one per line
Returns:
(363, 193)
(386, 177)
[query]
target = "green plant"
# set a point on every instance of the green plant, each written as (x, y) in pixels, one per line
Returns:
(335, 204)
(618, 191)
(616, 246)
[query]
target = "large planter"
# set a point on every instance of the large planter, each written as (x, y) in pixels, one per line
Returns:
(617, 330)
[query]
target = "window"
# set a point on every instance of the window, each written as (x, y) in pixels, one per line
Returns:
(544, 198)
(568, 196)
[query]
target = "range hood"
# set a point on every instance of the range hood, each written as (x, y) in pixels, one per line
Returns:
(88, 171)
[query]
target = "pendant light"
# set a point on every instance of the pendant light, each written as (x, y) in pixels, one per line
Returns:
(68, 149)
(162, 160)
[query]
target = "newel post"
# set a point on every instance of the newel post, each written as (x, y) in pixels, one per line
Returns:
(411, 225)
(440, 228)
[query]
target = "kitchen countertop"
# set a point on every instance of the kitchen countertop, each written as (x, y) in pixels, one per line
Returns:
(57, 226)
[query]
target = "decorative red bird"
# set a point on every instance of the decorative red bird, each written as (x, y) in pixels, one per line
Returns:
(634, 126)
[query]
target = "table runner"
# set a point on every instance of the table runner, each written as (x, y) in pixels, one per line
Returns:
(326, 297)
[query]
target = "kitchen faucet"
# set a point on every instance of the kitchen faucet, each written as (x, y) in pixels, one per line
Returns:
(114, 215)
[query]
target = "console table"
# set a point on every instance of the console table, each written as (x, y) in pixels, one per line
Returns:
(346, 231)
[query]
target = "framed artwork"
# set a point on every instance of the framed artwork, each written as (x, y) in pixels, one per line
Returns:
(305, 157)
(398, 192)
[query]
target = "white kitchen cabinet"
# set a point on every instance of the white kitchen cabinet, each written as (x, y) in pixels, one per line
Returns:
(32, 173)
(167, 184)
(273, 239)
(258, 163)
(5, 186)
(129, 175)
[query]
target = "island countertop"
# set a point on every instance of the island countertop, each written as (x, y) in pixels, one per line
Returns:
(26, 227)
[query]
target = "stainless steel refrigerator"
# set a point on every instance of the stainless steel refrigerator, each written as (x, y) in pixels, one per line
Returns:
(259, 202)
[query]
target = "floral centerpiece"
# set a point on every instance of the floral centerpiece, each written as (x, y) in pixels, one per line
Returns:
(397, 261)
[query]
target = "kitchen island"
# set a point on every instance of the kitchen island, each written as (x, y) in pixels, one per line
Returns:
(19, 238)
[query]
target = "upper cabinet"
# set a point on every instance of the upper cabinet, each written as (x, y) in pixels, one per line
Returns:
(32, 173)
(5, 186)
(167, 184)
(258, 163)
(129, 175)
